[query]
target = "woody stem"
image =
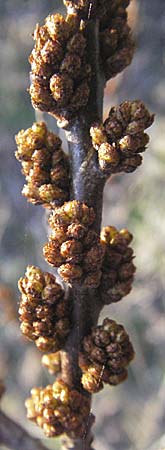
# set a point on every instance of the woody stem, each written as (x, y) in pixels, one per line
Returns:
(87, 186)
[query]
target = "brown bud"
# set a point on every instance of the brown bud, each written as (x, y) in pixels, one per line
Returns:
(77, 44)
(47, 344)
(70, 273)
(90, 383)
(98, 135)
(70, 248)
(61, 86)
(93, 258)
(52, 362)
(51, 252)
(113, 129)
(57, 27)
(50, 193)
(97, 354)
(76, 231)
(92, 280)
(109, 154)
(51, 52)
(71, 64)
(80, 97)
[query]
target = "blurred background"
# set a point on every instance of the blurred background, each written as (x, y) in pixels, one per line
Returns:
(130, 416)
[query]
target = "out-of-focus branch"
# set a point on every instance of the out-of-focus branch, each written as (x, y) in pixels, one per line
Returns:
(15, 437)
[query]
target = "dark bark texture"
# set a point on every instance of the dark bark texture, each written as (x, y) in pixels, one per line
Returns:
(87, 186)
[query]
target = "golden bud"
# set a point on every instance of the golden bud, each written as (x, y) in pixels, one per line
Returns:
(52, 362)
(108, 153)
(98, 135)
(57, 27)
(61, 86)
(90, 383)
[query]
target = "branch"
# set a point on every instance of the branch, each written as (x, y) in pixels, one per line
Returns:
(87, 186)
(15, 437)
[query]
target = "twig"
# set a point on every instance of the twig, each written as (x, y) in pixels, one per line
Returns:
(15, 437)
(87, 187)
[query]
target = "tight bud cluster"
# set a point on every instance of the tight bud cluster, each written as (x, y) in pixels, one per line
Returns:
(118, 268)
(44, 165)
(59, 409)
(73, 246)
(116, 44)
(44, 312)
(107, 353)
(60, 73)
(121, 138)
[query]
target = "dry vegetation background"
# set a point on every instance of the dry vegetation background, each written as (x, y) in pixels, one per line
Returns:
(130, 416)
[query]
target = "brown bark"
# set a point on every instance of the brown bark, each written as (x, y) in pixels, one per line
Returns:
(87, 186)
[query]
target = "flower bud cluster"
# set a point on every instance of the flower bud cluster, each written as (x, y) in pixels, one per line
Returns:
(60, 73)
(73, 246)
(121, 138)
(118, 268)
(107, 353)
(116, 43)
(44, 312)
(59, 409)
(44, 165)
(52, 361)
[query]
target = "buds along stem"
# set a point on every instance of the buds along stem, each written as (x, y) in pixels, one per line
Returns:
(72, 59)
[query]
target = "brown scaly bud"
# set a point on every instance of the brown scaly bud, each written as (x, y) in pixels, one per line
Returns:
(91, 383)
(44, 164)
(120, 60)
(116, 44)
(73, 246)
(52, 362)
(59, 409)
(107, 353)
(117, 269)
(121, 139)
(44, 313)
(60, 74)
(61, 86)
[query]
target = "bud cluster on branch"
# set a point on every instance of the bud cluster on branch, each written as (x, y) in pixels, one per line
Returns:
(60, 71)
(44, 312)
(121, 138)
(44, 165)
(116, 43)
(73, 246)
(107, 353)
(118, 268)
(59, 409)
